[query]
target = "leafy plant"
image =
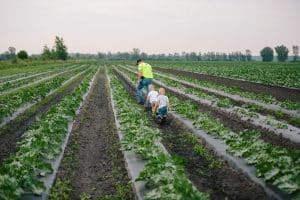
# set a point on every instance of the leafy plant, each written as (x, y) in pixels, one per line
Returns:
(163, 173)
(40, 144)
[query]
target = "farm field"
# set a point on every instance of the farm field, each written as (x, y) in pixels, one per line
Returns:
(74, 130)
(278, 74)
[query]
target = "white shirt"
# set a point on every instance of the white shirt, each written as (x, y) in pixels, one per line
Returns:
(152, 96)
(162, 101)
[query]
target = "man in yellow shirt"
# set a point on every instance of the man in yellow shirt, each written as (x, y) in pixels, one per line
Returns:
(145, 77)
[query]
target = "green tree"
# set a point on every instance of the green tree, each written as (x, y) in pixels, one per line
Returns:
(47, 54)
(60, 49)
(282, 53)
(12, 51)
(22, 54)
(101, 55)
(267, 54)
(135, 54)
(296, 52)
(248, 55)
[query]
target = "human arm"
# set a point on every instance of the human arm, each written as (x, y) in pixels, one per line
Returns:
(140, 73)
(156, 104)
(169, 106)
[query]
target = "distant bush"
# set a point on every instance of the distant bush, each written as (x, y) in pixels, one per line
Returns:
(22, 54)
(267, 54)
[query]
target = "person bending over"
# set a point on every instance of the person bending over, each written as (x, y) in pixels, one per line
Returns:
(145, 77)
(152, 99)
(163, 103)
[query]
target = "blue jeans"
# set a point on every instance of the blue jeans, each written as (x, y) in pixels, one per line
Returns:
(145, 82)
(162, 112)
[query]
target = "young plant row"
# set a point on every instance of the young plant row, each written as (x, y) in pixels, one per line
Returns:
(10, 102)
(163, 174)
(18, 83)
(281, 74)
(222, 103)
(20, 173)
(245, 110)
(276, 165)
(10, 73)
(265, 98)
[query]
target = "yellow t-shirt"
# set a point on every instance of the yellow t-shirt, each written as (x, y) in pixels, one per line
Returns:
(146, 70)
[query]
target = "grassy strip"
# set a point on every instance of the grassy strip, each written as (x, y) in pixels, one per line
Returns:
(163, 174)
(276, 165)
(42, 143)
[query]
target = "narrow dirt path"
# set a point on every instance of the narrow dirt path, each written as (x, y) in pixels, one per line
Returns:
(11, 133)
(93, 164)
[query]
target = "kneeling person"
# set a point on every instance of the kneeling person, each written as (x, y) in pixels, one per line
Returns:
(152, 99)
(162, 103)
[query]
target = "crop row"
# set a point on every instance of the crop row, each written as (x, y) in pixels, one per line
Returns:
(39, 145)
(10, 102)
(265, 98)
(280, 74)
(12, 72)
(226, 105)
(163, 174)
(276, 165)
(30, 79)
(221, 89)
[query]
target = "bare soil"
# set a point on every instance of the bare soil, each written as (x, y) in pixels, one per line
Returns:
(93, 163)
(280, 93)
(11, 133)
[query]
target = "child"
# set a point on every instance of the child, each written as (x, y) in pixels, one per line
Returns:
(162, 103)
(152, 98)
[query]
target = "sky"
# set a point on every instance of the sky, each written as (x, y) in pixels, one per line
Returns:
(154, 26)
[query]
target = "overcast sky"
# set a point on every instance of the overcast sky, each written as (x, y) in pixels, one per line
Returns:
(154, 26)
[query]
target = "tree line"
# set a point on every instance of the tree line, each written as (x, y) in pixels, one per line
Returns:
(190, 56)
(282, 52)
(267, 55)
(59, 52)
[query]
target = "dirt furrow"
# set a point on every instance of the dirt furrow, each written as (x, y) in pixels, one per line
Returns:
(93, 165)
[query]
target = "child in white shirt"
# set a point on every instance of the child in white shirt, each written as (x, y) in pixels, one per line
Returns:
(152, 98)
(163, 104)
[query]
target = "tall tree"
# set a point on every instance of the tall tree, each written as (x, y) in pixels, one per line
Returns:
(22, 54)
(296, 52)
(282, 53)
(101, 55)
(135, 53)
(60, 49)
(46, 53)
(12, 51)
(248, 55)
(267, 54)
